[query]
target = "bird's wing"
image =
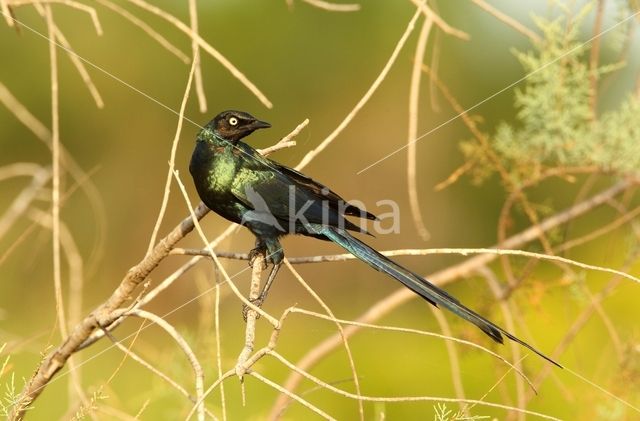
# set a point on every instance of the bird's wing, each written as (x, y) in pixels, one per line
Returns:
(323, 191)
(266, 186)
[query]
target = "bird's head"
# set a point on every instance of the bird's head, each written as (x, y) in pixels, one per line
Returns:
(234, 125)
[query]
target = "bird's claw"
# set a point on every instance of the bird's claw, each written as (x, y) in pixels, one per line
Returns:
(245, 308)
(253, 255)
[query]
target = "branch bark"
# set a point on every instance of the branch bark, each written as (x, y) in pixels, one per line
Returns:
(103, 315)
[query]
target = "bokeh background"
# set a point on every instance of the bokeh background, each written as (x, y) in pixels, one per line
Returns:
(316, 64)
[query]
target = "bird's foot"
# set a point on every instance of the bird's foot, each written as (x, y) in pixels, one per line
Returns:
(245, 308)
(253, 255)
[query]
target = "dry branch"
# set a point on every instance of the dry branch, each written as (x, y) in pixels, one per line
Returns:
(414, 96)
(508, 20)
(103, 315)
(365, 98)
(333, 7)
(443, 277)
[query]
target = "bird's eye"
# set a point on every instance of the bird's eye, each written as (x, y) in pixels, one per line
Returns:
(233, 121)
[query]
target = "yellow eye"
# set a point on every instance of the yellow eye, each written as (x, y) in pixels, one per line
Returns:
(233, 121)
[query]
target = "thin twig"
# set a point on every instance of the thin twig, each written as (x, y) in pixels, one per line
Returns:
(292, 395)
(424, 252)
(347, 348)
(172, 159)
(6, 12)
(129, 353)
(70, 3)
(55, 192)
(102, 315)
(79, 65)
(182, 343)
(446, 28)
(383, 74)
(223, 401)
(508, 20)
(443, 277)
(165, 43)
(454, 360)
(414, 332)
(496, 289)
(193, 20)
(402, 398)
(414, 97)
(206, 47)
(259, 264)
(203, 237)
(333, 7)
(41, 176)
(23, 114)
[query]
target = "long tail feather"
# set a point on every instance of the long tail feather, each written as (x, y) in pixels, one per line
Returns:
(420, 286)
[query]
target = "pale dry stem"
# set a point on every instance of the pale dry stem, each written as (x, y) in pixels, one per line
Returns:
(21, 203)
(23, 114)
(454, 359)
(69, 3)
(443, 277)
(78, 64)
(293, 396)
(414, 97)
(508, 20)
(4, 6)
(172, 159)
(333, 7)
(440, 23)
(507, 314)
(346, 394)
(259, 264)
(193, 20)
(206, 47)
(224, 273)
(184, 346)
(352, 364)
(165, 43)
(345, 122)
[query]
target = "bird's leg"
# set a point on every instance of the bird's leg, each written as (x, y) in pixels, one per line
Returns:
(265, 289)
(273, 253)
(260, 248)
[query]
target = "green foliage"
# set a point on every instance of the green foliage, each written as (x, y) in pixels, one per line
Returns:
(10, 398)
(556, 126)
(90, 407)
(442, 413)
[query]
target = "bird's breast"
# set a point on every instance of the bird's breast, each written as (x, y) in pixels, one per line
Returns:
(213, 169)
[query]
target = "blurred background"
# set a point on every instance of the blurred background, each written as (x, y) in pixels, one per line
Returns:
(317, 64)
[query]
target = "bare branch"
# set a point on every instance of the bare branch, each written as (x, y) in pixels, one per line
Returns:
(104, 314)
(165, 43)
(383, 74)
(333, 7)
(508, 20)
(446, 28)
(445, 276)
(205, 46)
(41, 176)
(70, 3)
(259, 264)
(414, 96)
(193, 20)
(172, 158)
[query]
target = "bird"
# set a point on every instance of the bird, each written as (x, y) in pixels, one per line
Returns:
(272, 200)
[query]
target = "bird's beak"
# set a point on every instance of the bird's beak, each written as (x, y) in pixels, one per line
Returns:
(257, 124)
